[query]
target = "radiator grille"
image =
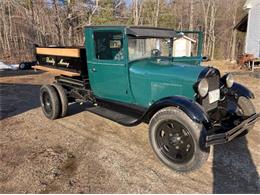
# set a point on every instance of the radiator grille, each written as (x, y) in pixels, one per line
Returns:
(213, 84)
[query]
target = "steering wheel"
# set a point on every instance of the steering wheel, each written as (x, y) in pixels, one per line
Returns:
(155, 52)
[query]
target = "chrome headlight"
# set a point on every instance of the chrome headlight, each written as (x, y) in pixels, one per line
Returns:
(203, 87)
(229, 80)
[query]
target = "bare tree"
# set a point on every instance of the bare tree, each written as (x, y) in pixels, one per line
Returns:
(206, 7)
(157, 13)
(138, 5)
(234, 32)
(24, 23)
(191, 14)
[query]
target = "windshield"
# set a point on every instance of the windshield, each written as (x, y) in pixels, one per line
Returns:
(149, 47)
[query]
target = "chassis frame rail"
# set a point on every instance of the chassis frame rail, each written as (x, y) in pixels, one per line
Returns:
(221, 138)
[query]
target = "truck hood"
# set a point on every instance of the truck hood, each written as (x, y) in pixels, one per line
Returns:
(167, 70)
(153, 79)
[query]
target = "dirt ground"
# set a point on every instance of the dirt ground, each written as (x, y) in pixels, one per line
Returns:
(84, 153)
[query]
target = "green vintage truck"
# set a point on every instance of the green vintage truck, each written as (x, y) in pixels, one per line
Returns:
(130, 75)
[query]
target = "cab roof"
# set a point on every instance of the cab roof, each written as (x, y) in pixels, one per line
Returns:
(140, 31)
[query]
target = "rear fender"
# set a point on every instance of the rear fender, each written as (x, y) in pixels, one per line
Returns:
(190, 107)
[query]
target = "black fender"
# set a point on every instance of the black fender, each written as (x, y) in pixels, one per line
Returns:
(194, 110)
(240, 90)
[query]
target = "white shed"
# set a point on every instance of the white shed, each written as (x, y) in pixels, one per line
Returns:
(183, 47)
(251, 25)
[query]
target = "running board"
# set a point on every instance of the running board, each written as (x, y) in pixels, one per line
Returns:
(116, 116)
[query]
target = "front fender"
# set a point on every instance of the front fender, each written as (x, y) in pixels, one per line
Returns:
(240, 90)
(190, 107)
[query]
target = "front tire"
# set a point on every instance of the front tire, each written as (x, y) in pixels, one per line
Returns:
(50, 102)
(178, 141)
(247, 109)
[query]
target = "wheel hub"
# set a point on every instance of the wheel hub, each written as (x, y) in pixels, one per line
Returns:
(47, 102)
(175, 141)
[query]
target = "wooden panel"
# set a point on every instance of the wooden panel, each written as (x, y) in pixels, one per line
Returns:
(56, 71)
(68, 52)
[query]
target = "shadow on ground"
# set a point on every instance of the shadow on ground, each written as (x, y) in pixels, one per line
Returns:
(19, 98)
(233, 169)
(9, 73)
(75, 108)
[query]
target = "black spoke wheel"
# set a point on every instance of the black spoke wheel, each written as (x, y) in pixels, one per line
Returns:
(177, 140)
(50, 102)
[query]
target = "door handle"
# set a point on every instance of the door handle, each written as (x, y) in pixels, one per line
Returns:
(93, 69)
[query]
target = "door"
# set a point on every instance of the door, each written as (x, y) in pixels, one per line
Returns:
(107, 65)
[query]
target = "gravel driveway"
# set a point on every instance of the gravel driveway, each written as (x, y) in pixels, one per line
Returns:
(84, 153)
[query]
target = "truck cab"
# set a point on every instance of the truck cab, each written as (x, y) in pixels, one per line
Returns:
(132, 75)
(131, 59)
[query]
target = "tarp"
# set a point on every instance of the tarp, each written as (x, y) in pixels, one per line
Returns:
(4, 66)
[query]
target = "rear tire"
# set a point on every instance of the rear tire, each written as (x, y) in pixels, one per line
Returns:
(178, 141)
(50, 102)
(63, 99)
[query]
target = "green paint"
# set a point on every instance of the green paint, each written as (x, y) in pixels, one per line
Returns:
(151, 80)
(142, 81)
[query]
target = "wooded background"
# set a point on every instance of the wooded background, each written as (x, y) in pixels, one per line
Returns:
(24, 23)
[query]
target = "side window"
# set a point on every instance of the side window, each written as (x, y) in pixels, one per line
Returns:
(109, 45)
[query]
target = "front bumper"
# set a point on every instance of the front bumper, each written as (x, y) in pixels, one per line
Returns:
(220, 138)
